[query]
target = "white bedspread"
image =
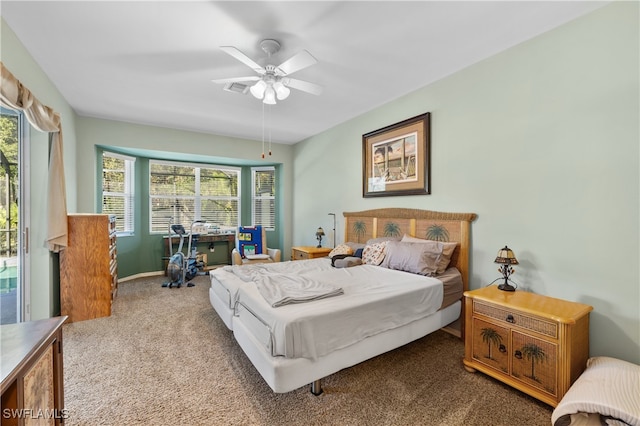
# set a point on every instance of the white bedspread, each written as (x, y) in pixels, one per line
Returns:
(609, 387)
(286, 289)
(375, 299)
(234, 277)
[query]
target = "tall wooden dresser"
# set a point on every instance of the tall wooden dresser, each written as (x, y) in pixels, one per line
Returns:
(89, 267)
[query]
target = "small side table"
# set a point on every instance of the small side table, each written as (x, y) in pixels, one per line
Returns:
(309, 252)
(534, 343)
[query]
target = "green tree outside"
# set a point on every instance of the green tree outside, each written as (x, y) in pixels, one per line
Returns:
(9, 184)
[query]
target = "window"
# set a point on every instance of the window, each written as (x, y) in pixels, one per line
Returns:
(182, 193)
(263, 197)
(117, 190)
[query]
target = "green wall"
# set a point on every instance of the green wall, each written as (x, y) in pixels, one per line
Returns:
(542, 142)
(143, 252)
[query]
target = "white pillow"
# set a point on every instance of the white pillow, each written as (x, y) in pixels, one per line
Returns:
(417, 258)
(447, 250)
(257, 256)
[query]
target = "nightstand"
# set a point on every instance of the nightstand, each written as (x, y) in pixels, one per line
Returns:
(309, 252)
(536, 344)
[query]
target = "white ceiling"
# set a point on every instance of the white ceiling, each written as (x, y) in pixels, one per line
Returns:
(152, 62)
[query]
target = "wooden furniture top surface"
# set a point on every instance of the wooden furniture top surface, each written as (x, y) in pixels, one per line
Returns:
(202, 237)
(559, 310)
(312, 249)
(19, 341)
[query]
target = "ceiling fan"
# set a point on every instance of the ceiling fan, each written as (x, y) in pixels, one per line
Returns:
(273, 81)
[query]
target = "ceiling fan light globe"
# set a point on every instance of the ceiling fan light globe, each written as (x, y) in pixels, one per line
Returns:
(270, 96)
(282, 91)
(258, 89)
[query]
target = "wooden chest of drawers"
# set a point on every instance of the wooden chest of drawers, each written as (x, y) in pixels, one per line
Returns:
(309, 252)
(537, 344)
(89, 267)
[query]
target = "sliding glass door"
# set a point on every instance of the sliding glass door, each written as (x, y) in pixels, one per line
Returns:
(13, 219)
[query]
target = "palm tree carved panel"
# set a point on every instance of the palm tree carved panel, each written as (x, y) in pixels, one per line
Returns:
(535, 362)
(359, 230)
(438, 230)
(490, 345)
(362, 228)
(393, 227)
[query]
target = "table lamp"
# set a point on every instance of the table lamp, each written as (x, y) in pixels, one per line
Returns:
(506, 258)
(319, 235)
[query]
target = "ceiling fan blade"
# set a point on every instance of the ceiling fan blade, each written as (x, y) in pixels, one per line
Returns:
(305, 86)
(236, 79)
(297, 62)
(243, 58)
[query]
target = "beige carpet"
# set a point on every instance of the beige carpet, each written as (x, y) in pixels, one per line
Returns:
(165, 358)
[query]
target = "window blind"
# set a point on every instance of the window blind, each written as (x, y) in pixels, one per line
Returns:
(182, 193)
(263, 211)
(118, 190)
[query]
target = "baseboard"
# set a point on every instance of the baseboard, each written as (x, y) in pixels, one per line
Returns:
(156, 273)
(141, 275)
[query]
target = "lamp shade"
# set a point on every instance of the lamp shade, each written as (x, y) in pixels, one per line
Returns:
(257, 90)
(269, 96)
(320, 232)
(282, 91)
(506, 256)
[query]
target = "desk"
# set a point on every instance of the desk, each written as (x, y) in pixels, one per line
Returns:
(229, 239)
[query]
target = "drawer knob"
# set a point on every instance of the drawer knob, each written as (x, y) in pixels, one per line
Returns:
(518, 354)
(510, 319)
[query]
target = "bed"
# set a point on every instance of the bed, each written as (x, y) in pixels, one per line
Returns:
(355, 313)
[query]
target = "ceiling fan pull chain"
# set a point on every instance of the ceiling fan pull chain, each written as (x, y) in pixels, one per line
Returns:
(263, 130)
(269, 129)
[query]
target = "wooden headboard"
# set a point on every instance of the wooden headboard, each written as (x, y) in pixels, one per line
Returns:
(395, 222)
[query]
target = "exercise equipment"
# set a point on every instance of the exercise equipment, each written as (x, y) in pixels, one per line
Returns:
(182, 269)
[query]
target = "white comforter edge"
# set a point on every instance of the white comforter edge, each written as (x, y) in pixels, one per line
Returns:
(609, 387)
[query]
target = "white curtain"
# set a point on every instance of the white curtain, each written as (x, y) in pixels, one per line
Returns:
(14, 95)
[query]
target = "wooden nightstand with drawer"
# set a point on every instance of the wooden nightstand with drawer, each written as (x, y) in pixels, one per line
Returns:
(536, 344)
(309, 252)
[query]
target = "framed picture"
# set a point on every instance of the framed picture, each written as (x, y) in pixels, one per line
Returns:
(395, 159)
